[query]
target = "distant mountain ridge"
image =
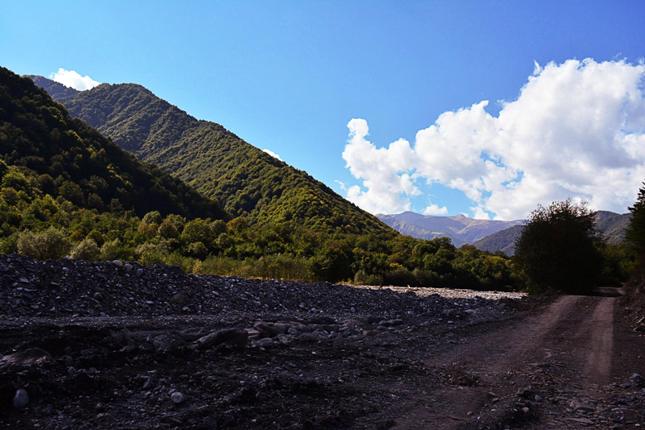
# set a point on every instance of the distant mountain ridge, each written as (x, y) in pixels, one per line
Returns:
(489, 235)
(217, 163)
(460, 229)
(609, 224)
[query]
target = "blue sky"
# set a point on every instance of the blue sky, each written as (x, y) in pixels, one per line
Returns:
(289, 75)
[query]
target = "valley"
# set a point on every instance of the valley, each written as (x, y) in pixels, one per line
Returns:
(323, 215)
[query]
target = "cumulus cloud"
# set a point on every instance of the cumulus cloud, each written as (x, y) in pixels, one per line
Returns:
(576, 129)
(271, 153)
(385, 172)
(73, 79)
(433, 209)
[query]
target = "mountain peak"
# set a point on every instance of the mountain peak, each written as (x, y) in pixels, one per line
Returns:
(459, 228)
(56, 90)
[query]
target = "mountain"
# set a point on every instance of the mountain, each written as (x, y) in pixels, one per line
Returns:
(74, 161)
(56, 90)
(610, 225)
(503, 240)
(244, 179)
(460, 229)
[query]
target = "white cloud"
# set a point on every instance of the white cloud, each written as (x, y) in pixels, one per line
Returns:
(73, 79)
(576, 129)
(271, 153)
(385, 172)
(433, 209)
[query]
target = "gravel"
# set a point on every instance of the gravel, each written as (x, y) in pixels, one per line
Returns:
(117, 345)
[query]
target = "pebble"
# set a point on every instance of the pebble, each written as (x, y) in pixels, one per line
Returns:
(636, 379)
(20, 399)
(264, 342)
(177, 397)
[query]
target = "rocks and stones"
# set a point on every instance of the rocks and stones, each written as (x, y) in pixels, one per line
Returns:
(117, 334)
(268, 329)
(160, 290)
(164, 343)
(391, 323)
(177, 397)
(26, 358)
(232, 337)
(21, 399)
(636, 380)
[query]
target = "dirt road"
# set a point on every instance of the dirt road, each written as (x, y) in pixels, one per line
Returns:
(549, 370)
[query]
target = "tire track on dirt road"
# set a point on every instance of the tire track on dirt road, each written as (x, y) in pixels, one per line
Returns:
(574, 333)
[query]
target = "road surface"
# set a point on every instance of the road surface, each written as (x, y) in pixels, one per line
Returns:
(551, 370)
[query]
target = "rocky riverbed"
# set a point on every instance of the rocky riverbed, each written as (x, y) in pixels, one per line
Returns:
(116, 345)
(119, 346)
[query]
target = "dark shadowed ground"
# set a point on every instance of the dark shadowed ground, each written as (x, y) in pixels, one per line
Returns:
(113, 345)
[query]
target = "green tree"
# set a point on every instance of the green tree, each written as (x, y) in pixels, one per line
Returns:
(635, 234)
(112, 250)
(45, 245)
(197, 230)
(171, 227)
(558, 248)
(334, 262)
(87, 249)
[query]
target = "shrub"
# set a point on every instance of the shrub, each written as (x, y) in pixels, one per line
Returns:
(112, 250)
(334, 262)
(270, 266)
(186, 264)
(9, 244)
(426, 278)
(3, 168)
(153, 217)
(558, 248)
(45, 245)
(197, 250)
(151, 253)
(197, 230)
(171, 227)
(281, 267)
(363, 278)
(399, 276)
(87, 249)
(218, 266)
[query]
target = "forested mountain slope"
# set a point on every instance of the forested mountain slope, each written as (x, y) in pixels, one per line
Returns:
(216, 162)
(74, 161)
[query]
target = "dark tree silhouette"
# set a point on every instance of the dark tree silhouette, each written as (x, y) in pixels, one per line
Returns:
(558, 249)
(635, 233)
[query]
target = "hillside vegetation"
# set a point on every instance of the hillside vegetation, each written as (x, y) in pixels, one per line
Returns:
(217, 163)
(73, 161)
(81, 196)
